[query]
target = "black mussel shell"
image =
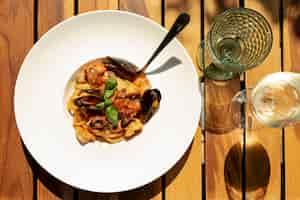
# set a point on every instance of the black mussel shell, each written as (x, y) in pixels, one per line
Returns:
(148, 98)
(87, 101)
(150, 103)
(95, 92)
(121, 68)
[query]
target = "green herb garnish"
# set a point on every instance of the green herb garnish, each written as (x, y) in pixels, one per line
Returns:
(111, 84)
(107, 102)
(108, 93)
(112, 114)
(100, 106)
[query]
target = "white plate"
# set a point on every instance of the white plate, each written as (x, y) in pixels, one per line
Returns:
(47, 130)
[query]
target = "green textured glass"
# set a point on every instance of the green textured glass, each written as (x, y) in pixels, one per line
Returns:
(239, 39)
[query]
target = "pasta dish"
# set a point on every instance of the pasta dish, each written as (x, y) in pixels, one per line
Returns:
(106, 107)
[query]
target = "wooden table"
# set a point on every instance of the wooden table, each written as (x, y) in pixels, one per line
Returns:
(23, 22)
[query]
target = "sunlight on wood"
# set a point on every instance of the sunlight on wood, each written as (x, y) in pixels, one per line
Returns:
(269, 138)
(291, 57)
(90, 5)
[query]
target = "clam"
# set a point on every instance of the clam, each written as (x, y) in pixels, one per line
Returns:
(150, 103)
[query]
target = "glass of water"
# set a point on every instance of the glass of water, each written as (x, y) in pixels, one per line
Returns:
(239, 39)
(274, 102)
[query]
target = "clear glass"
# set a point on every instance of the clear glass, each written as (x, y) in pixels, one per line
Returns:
(239, 39)
(208, 67)
(274, 102)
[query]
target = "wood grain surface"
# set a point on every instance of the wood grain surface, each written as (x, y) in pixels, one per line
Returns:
(49, 14)
(220, 141)
(52, 12)
(16, 38)
(269, 138)
(183, 181)
(222, 131)
(90, 5)
(84, 195)
(49, 188)
(147, 8)
(291, 50)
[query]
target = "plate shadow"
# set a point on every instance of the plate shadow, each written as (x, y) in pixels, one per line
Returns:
(55, 186)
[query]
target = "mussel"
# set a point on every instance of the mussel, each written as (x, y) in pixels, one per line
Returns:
(88, 102)
(150, 103)
(95, 92)
(121, 68)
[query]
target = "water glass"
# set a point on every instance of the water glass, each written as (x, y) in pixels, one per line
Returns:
(239, 39)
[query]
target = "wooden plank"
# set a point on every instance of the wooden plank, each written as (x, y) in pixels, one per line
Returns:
(270, 139)
(16, 38)
(49, 188)
(51, 13)
(151, 9)
(84, 6)
(89, 5)
(223, 133)
(152, 191)
(183, 181)
(291, 48)
(147, 8)
(84, 195)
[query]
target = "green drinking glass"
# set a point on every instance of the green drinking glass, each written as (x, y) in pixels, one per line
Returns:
(239, 39)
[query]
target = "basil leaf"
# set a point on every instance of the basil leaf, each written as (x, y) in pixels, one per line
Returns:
(100, 106)
(110, 84)
(107, 102)
(108, 93)
(112, 115)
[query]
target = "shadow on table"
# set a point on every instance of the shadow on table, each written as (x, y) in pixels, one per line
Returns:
(159, 185)
(58, 188)
(64, 191)
(268, 5)
(257, 166)
(174, 171)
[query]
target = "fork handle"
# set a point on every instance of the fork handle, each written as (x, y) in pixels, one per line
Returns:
(182, 20)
